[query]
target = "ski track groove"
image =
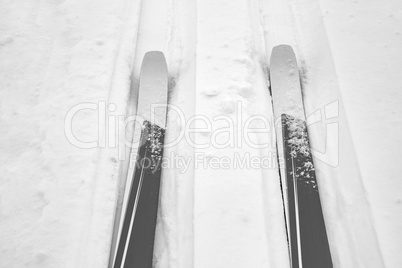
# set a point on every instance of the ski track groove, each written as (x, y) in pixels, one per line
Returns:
(169, 242)
(122, 166)
(174, 230)
(270, 190)
(99, 193)
(313, 52)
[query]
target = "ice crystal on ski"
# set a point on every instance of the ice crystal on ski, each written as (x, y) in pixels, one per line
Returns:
(154, 143)
(300, 150)
(298, 140)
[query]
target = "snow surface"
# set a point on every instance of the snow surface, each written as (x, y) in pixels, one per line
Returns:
(57, 201)
(366, 42)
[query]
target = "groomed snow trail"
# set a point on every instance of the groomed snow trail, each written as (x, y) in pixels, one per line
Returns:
(57, 199)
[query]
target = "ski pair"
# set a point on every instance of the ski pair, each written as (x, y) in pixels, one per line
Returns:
(308, 242)
(137, 233)
(307, 236)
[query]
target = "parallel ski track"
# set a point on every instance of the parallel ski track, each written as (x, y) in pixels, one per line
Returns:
(177, 39)
(106, 177)
(298, 23)
(262, 24)
(175, 247)
(278, 28)
(150, 36)
(167, 26)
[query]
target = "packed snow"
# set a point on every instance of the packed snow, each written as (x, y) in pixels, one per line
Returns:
(69, 75)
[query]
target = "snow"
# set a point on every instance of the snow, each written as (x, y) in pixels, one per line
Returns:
(366, 47)
(57, 201)
(238, 215)
(62, 54)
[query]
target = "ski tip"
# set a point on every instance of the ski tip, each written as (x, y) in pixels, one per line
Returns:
(281, 52)
(283, 55)
(155, 55)
(282, 48)
(154, 62)
(153, 87)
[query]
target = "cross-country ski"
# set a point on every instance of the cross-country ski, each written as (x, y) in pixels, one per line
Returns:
(136, 238)
(200, 134)
(308, 241)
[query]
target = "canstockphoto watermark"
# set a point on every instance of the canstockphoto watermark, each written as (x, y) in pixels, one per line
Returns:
(235, 130)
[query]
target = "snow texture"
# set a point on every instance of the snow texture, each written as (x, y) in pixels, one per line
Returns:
(58, 199)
